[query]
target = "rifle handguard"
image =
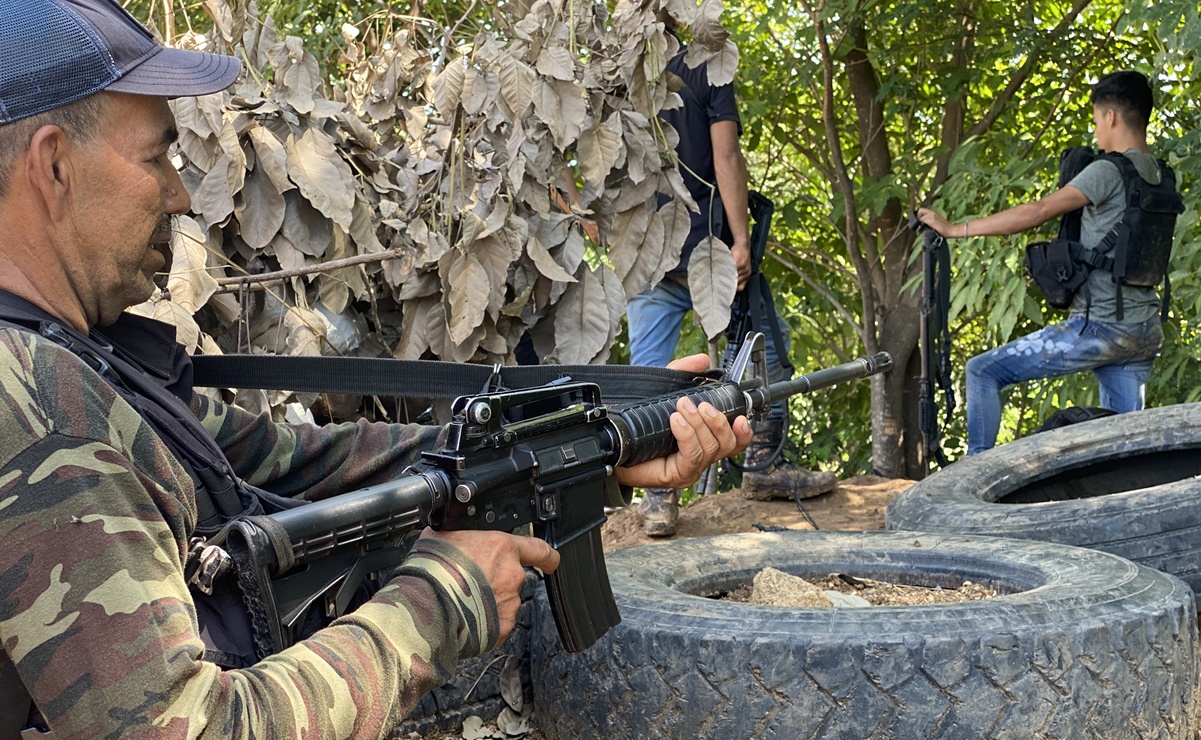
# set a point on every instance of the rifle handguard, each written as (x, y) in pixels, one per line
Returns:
(645, 426)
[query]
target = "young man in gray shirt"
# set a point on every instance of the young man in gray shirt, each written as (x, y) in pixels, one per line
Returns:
(1118, 351)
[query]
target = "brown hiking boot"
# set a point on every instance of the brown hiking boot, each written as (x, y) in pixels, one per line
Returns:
(780, 480)
(660, 508)
(787, 481)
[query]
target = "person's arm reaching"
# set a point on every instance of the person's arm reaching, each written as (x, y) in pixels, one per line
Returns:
(1012, 220)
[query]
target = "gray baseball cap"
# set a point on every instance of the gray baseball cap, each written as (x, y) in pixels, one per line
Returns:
(54, 52)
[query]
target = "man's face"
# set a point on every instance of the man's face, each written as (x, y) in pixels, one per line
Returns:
(1103, 121)
(127, 191)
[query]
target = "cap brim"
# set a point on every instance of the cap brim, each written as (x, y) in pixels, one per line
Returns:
(179, 73)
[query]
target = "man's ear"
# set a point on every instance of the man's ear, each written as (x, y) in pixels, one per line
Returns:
(48, 169)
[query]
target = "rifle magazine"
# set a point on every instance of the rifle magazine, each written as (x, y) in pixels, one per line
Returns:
(581, 600)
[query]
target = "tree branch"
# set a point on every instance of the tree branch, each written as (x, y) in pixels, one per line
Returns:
(814, 257)
(1101, 46)
(843, 183)
(234, 284)
(956, 110)
(823, 291)
(873, 145)
(1019, 78)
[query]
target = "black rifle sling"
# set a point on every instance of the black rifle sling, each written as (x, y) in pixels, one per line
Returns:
(762, 303)
(942, 331)
(937, 301)
(762, 308)
(433, 379)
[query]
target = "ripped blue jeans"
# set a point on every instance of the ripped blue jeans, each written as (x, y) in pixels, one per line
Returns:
(1120, 355)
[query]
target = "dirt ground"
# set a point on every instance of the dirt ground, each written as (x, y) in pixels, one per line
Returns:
(855, 504)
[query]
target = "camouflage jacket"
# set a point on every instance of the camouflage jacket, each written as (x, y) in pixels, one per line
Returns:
(95, 516)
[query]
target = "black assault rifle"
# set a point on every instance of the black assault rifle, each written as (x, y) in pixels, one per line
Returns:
(543, 456)
(935, 340)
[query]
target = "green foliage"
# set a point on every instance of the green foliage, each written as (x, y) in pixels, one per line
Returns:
(993, 88)
(1021, 83)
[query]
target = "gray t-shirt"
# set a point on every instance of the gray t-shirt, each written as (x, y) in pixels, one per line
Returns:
(1101, 182)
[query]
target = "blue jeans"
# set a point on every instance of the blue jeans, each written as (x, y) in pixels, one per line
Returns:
(655, 316)
(1120, 355)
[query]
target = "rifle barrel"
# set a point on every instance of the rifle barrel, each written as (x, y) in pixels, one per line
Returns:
(643, 428)
(826, 377)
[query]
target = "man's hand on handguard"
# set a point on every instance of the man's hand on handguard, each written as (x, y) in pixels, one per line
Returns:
(503, 558)
(702, 434)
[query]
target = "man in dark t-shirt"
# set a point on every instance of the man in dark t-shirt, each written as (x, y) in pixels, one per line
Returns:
(715, 174)
(709, 127)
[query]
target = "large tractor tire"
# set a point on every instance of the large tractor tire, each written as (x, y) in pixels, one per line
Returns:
(1123, 484)
(1080, 644)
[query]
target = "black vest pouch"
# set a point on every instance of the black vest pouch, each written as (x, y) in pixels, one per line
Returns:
(1144, 247)
(1056, 271)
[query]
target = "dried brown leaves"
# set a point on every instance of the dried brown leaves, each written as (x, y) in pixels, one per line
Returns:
(447, 158)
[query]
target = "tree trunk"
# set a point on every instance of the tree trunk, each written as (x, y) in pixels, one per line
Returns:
(891, 445)
(888, 458)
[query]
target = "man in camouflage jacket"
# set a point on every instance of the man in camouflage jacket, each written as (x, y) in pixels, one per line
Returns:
(97, 625)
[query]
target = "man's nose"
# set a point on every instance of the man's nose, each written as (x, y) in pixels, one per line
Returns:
(177, 199)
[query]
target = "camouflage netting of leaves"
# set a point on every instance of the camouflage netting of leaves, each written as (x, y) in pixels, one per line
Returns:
(410, 209)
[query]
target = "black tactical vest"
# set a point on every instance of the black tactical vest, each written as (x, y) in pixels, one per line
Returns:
(1139, 247)
(140, 359)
